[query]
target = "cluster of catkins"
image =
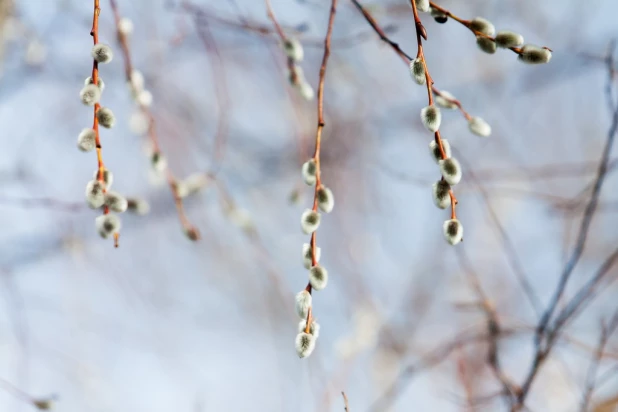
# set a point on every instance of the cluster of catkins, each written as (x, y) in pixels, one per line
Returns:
(318, 275)
(98, 193)
(294, 50)
(488, 40)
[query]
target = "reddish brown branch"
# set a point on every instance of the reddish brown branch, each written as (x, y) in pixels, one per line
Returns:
(191, 231)
(318, 138)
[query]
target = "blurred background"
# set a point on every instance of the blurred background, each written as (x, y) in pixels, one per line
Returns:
(166, 324)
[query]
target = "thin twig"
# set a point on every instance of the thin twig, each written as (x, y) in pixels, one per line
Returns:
(187, 226)
(318, 140)
(591, 374)
(345, 402)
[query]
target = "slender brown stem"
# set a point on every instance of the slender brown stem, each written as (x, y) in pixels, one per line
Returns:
(421, 34)
(188, 227)
(318, 138)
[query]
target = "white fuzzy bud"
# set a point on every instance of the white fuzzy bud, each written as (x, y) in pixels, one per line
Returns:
(326, 199)
(431, 118)
(483, 26)
(86, 140)
(95, 196)
(108, 178)
(137, 81)
(144, 98)
(102, 53)
(453, 231)
(309, 221)
(305, 343)
(294, 49)
(422, 5)
(434, 149)
(446, 100)
(303, 303)
(116, 202)
(441, 196)
(506, 39)
(90, 95)
(531, 54)
(486, 45)
(139, 123)
(309, 171)
(314, 329)
(306, 90)
(479, 127)
(158, 162)
(106, 117)
(192, 184)
(417, 71)
(439, 16)
(307, 261)
(451, 170)
(125, 26)
(107, 225)
(240, 218)
(318, 277)
(100, 82)
(138, 206)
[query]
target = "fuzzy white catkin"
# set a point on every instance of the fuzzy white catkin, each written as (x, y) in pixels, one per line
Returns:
(139, 123)
(241, 218)
(90, 95)
(192, 184)
(326, 199)
(108, 177)
(531, 54)
(100, 82)
(125, 26)
(94, 194)
(144, 98)
(482, 25)
(309, 221)
(138, 206)
(307, 261)
(417, 71)
(305, 343)
(106, 117)
(318, 277)
(422, 5)
(116, 202)
(439, 16)
(479, 127)
(86, 140)
(431, 118)
(137, 81)
(306, 90)
(294, 49)
(441, 197)
(486, 45)
(309, 171)
(102, 53)
(107, 224)
(158, 162)
(446, 100)
(451, 170)
(303, 303)
(453, 231)
(506, 39)
(314, 329)
(435, 150)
